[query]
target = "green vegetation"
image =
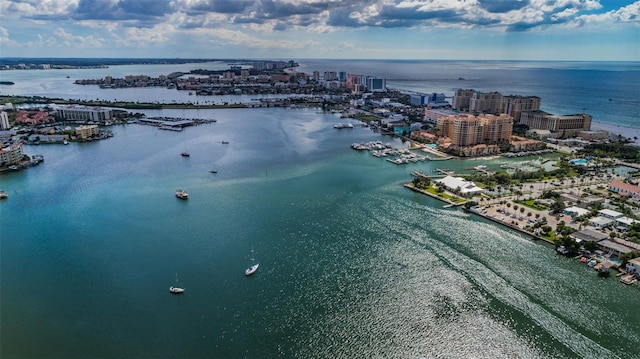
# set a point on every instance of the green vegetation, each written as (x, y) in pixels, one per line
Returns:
(367, 118)
(531, 203)
(617, 150)
(421, 182)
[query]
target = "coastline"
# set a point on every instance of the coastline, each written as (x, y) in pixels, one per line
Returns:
(625, 131)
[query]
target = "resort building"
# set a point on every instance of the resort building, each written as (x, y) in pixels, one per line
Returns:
(431, 115)
(84, 113)
(562, 125)
(462, 99)
(514, 105)
(467, 130)
(84, 132)
(460, 186)
(11, 155)
(482, 102)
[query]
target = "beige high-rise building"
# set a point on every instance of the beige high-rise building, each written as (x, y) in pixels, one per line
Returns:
(514, 105)
(461, 99)
(467, 130)
(485, 102)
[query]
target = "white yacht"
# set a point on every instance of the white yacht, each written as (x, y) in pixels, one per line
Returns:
(176, 290)
(182, 194)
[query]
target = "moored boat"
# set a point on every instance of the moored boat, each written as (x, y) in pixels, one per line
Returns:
(182, 194)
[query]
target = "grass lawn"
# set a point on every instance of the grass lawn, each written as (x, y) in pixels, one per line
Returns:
(531, 204)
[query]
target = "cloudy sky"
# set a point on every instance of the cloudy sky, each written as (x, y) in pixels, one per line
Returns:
(270, 29)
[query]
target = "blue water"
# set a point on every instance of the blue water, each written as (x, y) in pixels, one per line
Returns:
(351, 263)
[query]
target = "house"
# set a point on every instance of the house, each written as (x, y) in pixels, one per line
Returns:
(460, 185)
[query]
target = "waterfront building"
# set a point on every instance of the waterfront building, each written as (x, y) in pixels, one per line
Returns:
(316, 76)
(514, 105)
(482, 102)
(375, 84)
(460, 186)
(33, 117)
(84, 113)
(613, 248)
(11, 155)
(595, 135)
(588, 235)
(4, 121)
(461, 99)
(418, 99)
(561, 125)
(431, 114)
(468, 130)
(342, 76)
(84, 132)
(353, 80)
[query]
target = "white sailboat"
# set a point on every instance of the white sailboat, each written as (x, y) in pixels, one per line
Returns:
(253, 267)
(176, 290)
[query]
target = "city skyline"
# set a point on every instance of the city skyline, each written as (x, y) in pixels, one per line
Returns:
(281, 29)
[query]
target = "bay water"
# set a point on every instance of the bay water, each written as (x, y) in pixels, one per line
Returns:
(352, 264)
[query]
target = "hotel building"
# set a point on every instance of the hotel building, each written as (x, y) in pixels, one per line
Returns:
(466, 130)
(4, 121)
(514, 105)
(563, 125)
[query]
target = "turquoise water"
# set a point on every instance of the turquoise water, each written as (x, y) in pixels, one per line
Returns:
(351, 263)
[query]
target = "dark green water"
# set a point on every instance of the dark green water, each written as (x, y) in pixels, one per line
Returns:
(352, 265)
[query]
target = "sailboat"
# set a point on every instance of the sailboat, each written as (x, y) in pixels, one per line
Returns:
(176, 290)
(185, 153)
(253, 267)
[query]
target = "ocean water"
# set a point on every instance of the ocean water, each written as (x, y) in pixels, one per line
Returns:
(352, 264)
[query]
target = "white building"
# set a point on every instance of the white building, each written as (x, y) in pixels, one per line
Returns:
(4, 121)
(460, 185)
(609, 213)
(576, 211)
(84, 113)
(11, 155)
(600, 222)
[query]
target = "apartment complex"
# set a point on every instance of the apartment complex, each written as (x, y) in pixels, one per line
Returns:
(515, 105)
(84, 113)
(563, 125)
(84, 132)
(467, 130)
(4, 121)
(11, 155)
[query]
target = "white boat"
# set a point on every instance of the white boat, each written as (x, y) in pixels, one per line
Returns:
(3, 195)
(182, 194)
(65, 142)
(176, 290)
(253, 267)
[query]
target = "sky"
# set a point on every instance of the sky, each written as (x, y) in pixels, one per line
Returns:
(590, 30)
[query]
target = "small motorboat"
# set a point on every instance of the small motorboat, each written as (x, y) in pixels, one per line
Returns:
(176, 290)
(182, 194)
(251, 270)
(213, 171)
(185, 154)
